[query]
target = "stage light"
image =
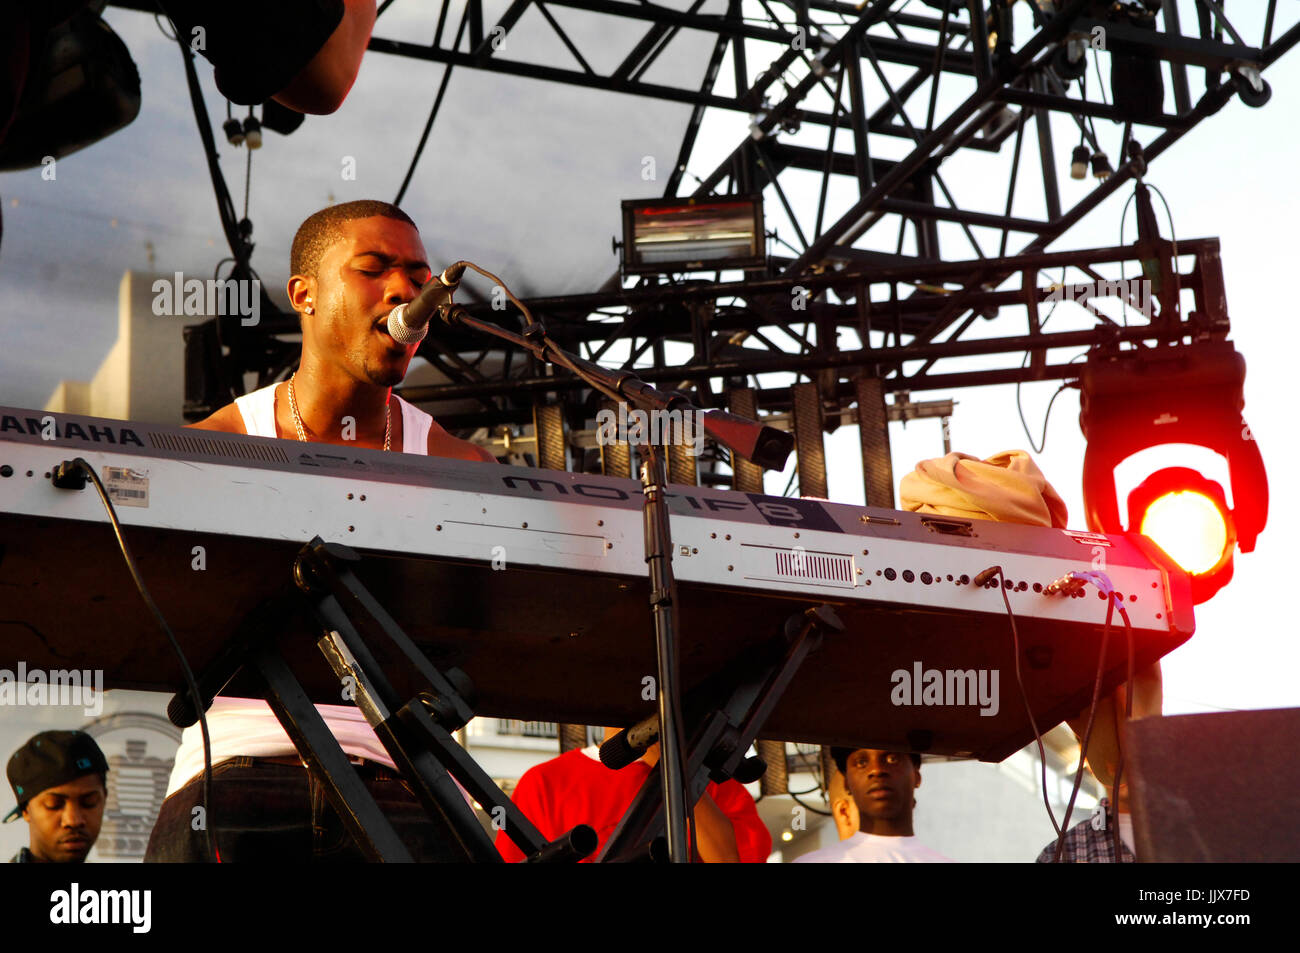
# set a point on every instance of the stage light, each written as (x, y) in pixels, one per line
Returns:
(1187, 516)
(1069, 60)
(661, 236)
(1181, 394)
(82, 85)
(1136, 83)
(1079, 162)
(234, 132)
(252, 132)
(1101, 169)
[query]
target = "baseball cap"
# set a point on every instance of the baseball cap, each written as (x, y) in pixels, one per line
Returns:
(840, 755)
(49, 759)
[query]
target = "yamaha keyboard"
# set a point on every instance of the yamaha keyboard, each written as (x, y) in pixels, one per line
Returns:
(534, 583)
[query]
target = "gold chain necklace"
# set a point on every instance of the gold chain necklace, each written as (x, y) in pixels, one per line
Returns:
(297, 418)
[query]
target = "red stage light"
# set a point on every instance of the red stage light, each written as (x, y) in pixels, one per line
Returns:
(1184, 394)
(1187, 516)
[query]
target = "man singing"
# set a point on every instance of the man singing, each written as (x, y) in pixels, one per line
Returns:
(352, 264)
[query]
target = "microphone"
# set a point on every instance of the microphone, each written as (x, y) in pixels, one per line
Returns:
(409, 323)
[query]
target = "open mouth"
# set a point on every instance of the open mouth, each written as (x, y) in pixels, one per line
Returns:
(382, 330)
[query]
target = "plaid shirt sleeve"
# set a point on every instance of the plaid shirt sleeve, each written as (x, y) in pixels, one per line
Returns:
(1086, 845)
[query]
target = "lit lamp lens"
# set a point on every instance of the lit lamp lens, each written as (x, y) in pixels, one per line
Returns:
(1190, 527)
(1187, 516)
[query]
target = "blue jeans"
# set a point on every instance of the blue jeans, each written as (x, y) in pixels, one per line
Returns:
(267, 812)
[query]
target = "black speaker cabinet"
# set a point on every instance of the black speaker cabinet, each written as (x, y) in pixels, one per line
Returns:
(1220, 787)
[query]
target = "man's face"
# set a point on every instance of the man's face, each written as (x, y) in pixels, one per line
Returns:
(377, 264)
(65, 820)
(881, 783)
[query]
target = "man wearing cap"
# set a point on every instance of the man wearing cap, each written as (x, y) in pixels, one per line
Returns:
(882, 784)
(60, 783)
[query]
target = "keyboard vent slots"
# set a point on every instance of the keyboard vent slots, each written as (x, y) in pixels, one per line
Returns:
(813, 567)
(184, 443)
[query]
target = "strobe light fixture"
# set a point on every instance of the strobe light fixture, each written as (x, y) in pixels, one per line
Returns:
(1185, 394)
(80, 87)
(661, 236)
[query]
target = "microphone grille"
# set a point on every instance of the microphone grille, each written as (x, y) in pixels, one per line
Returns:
(400, 331)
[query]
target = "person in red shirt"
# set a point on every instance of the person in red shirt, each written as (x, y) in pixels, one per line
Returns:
(576, 788)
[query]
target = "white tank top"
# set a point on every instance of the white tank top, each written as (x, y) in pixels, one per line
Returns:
(258, 411)
(246, 727)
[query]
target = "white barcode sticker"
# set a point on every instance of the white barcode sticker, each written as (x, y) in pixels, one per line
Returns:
(127, 487)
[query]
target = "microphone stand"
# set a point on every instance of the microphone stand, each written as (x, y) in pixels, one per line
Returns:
(763, 445)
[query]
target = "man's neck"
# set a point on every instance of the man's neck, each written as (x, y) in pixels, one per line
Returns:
(325, 396)
(886, 827)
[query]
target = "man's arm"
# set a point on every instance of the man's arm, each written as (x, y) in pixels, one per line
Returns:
(715, 837)
(753, 842)
(226, 420)
(321, 86)
(443, 444)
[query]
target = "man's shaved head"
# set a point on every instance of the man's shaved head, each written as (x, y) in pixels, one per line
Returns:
(322, 229)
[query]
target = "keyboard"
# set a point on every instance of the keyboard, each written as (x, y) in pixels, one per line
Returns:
(534, 583)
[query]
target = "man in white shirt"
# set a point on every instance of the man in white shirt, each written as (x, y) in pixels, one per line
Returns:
(882, 784)
(352, 264)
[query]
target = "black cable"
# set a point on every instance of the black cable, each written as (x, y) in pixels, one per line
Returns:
(1083, 94)
(173, 34)
(1119, 741)
(790, 485)
(1046, 417)
(248, 166)
(433, 112)
(193, 688)
(1101, 86)
(813, 790)
(1024, 696)
(1173, 242)
(1024, 361)
(225, 205)
(809, 807)
(1087, 734)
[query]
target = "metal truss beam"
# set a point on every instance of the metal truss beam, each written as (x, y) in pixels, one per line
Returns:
(879, 313)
